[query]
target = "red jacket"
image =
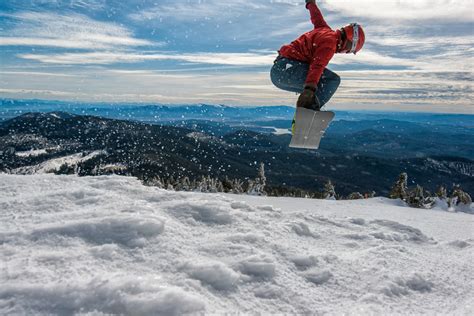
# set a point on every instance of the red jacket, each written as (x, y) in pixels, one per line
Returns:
(316, 47)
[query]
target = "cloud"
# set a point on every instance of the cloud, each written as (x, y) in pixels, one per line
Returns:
(226, 22)
(405, 10)
(376, 90)
(199, 10)
(60, 4)
(372, 58)
(36, 73)
(219, 50)
(68, 31)
(238, 59)
(425, 42)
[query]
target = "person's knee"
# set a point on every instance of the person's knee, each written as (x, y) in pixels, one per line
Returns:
(276, 78)
(335, 80)
(280, 79)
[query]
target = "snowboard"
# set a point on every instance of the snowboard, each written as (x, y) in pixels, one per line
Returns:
(309, 127)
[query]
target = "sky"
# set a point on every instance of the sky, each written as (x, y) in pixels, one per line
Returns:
(418, 54)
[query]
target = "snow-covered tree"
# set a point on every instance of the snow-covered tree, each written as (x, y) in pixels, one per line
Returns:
(257, 186)
(442, 193)
(400, 188)
(202, 185)
(261, 176)
(420, 198)
(237, 186)
(260, 181)
(170, 184)
(212, 185)
(220, 186)
(250, 186)
(329, 192)
(227, 184)
(183, 184)
(155, 181)
(458, 196)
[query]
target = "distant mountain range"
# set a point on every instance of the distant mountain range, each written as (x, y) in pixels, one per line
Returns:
(357, 156)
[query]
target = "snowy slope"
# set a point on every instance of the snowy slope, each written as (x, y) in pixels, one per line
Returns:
(110, 245)
(55, 164)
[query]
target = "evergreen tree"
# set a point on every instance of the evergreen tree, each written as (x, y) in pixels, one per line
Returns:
(212, 185)
(329, 192)
(186, 184)
(420, 198)
(227, 185)
(400, 188)
(194, 185)
(442, 193)
(416, 197)
(237, 186)
(219, 185)
(170, 184)
(459, 197)
(155, 181)
(260, 181)
(183, 184)
(250, 187)
(202, 185)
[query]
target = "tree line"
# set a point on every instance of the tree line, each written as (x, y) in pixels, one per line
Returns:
(421, 198)
(416, 196)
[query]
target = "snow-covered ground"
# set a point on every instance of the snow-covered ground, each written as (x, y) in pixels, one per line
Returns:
(31, 153)
(52, 165)
(108, 245)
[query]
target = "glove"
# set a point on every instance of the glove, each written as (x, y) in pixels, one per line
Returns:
(308, 99)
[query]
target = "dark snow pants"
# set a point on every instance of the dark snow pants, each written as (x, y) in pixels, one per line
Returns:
(290, 75)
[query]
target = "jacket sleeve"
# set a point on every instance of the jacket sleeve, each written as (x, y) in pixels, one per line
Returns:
(321, 58)
(316, 15)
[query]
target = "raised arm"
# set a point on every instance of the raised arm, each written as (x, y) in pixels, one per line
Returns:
(316, 15)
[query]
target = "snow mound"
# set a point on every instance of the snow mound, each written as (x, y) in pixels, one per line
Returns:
(109, 245)
(215, 274)
(126, 231)
(207, 212)
(258, 267)
(403, 232)
(318, 277)
(357, 221)
(301, 229)
(461, 244)
(116, 295)
(406, 285)
(304, 262)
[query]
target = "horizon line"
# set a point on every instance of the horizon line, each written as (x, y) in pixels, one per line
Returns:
(144, 103)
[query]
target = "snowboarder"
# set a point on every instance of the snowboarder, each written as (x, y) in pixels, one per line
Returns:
(301, 66)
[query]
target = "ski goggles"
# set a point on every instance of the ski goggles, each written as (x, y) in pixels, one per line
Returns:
(355, 37)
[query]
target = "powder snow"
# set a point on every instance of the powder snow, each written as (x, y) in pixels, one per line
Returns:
(109, 245)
